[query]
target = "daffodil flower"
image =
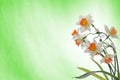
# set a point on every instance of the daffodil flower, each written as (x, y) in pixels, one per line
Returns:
(79, 41)
(112, 32)
(94, 48)
(107, 58)
(97, 45)
(78, 38)
(85, 23)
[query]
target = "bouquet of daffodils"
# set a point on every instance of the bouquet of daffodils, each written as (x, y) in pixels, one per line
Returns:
(97, 43)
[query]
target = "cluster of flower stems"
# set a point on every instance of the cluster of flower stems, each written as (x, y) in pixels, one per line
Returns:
(114, 65)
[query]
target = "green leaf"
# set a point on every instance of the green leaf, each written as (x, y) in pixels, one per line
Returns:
(93, 72)
(86, 70)
(85, 75)
(119, 75)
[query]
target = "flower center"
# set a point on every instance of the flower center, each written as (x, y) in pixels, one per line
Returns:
(83, 22)
(108, 60)
(74, 33)
(113, 31)
(92, 47)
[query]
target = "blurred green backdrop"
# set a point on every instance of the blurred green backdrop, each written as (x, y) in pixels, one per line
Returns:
(35, 37)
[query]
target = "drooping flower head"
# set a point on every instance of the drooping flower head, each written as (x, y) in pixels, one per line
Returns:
(112, 32)
(85, 22)
(77, 38)
(78, 41)
(107, 58)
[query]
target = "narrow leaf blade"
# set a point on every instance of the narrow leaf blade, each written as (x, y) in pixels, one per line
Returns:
(85, 75)
(95, 75)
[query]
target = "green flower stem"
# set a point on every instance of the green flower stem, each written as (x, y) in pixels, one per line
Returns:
(100, 68)
(96, 36)
(116, 78)
(107, 37)
(114, 66)
(93, 73)
(117, 66)
(110, 68)
(88, 35)
(116, 60)
(94, 27)
(111, 71)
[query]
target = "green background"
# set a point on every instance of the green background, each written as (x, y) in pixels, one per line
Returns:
(35, 37)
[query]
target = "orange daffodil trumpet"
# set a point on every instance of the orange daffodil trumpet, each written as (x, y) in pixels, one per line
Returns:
(75, 32)
(85, 23)
(107, 58)
(99, 43)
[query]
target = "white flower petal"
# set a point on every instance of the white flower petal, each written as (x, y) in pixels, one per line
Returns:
(89, 18)
(92, 55)
(112, 44)
(87, 42)
(86, 51)
(80, 17)
(77, 23)
(115, 36)
(82, 29)
(82, 45)
(110, 55)
(106, 28)
(101, 61)
(88, 28)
